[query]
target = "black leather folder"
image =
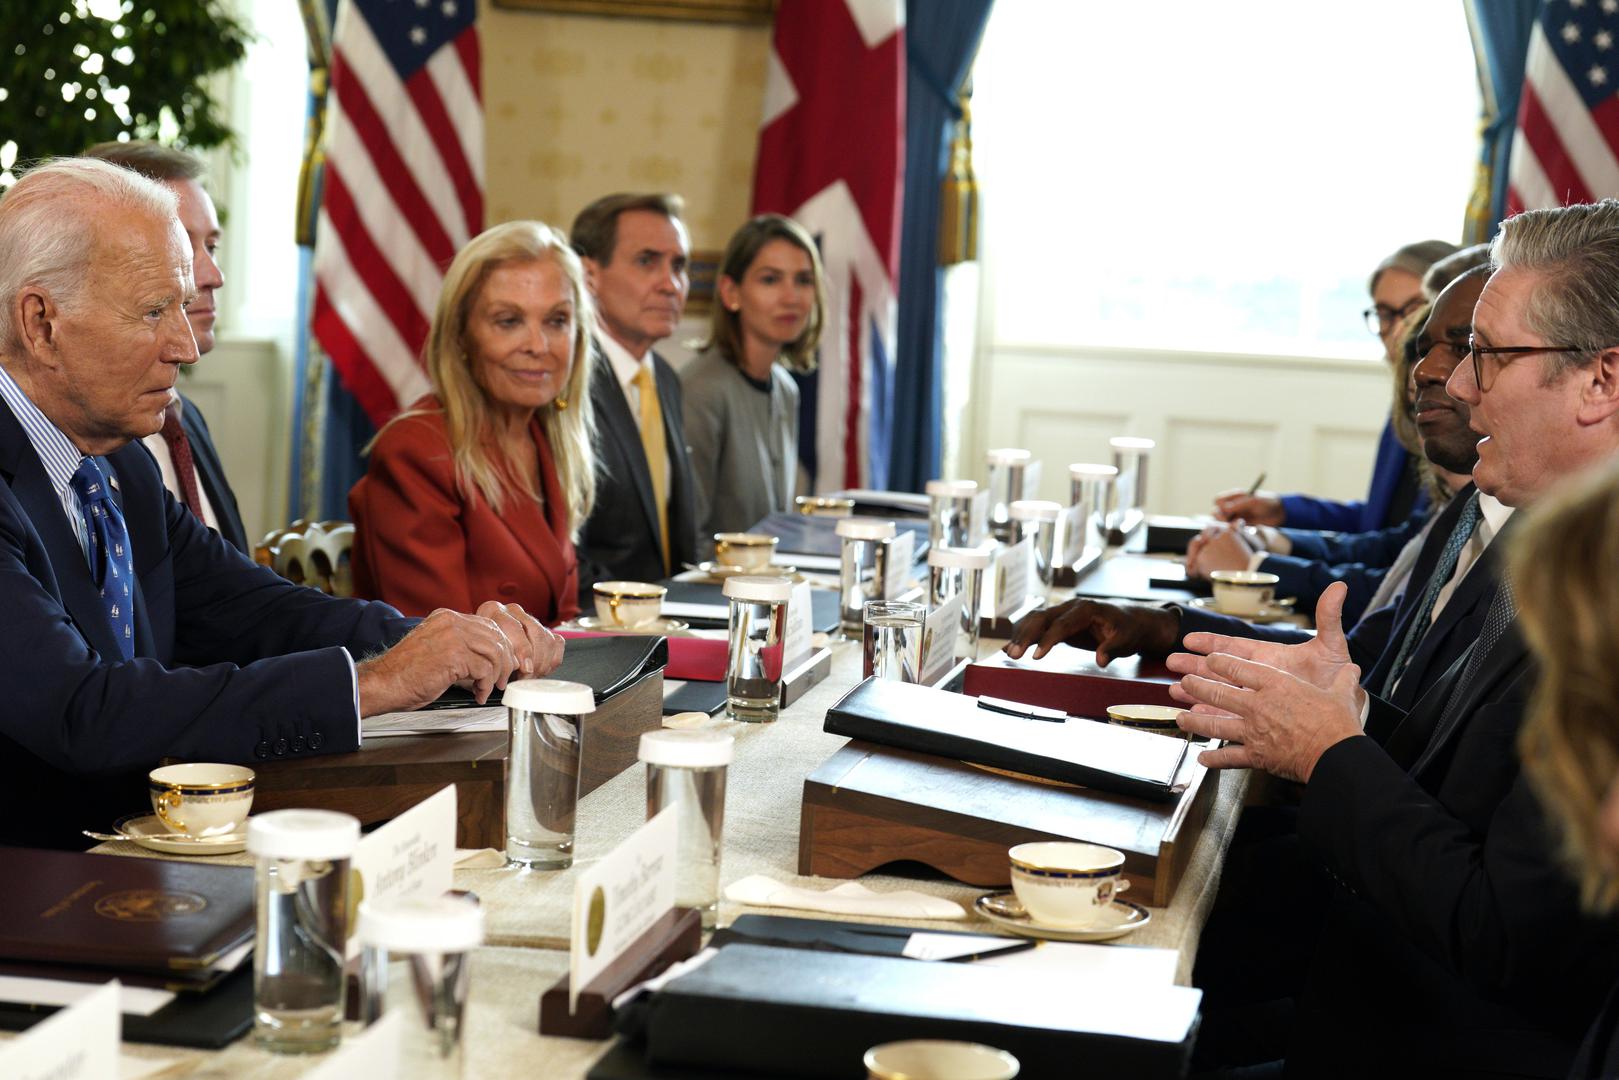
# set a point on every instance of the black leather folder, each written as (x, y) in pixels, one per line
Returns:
(1084, 752)
(605, 664)
(762, 1010)
(206, 1021)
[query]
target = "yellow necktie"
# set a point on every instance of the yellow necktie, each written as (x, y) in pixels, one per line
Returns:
(657, 453)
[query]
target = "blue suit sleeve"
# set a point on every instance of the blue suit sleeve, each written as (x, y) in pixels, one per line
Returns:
(1306, 580)
(1308, 512)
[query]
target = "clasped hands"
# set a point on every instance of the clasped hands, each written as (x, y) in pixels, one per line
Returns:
(482, 652)
(1277, 707)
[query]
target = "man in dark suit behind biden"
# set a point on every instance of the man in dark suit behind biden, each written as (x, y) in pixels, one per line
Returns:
(128, 630)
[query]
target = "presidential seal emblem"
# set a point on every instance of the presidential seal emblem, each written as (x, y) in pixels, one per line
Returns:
(148, 905)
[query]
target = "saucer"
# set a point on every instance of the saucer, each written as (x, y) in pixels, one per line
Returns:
(656, 626)
(722, 571)
(1271, 612)
(141, 828)
(1004, 911)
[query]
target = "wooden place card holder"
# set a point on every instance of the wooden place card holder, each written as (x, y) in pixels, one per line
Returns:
(868, 805)
(811, 671)
(1066, 577)
(386, 777)
(1129, 521)
(674, 937)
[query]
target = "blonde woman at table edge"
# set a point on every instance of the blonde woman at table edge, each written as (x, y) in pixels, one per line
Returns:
(479, 488)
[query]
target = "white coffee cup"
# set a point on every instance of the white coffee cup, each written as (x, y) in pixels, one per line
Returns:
(749, 551)
(1159, 719)
(200, 799)
(1243, 592)
(939, 1059)
(628, 605)
(1067, 884)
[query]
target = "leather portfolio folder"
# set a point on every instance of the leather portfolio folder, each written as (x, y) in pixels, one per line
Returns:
(1142, 578)
(1169, 534)
(1070, 679)
(1083, 752)
(802, 534)
(737, 1012)
(607, 663)
(207, 1021)
(142, 915)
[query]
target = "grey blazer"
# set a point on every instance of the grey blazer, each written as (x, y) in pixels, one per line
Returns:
(744, 444)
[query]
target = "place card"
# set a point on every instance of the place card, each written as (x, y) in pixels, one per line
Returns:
(978, 520)
(898, 555)
(1012, 576)
(1031, 479)
(939, 633)
(412, 855)
(78, 1043)
(1072, 526)
(618, 899)
(799, 642)
(373, 1052)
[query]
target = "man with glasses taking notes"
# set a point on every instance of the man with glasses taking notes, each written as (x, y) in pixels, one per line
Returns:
(1452, 939)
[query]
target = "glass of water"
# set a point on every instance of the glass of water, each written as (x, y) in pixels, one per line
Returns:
(756, 643)
(687, 769)
(416, 959)
(960, 570)
(859, 580)
(542, 770)
(892, 641)
(950, 511)
(301, 892)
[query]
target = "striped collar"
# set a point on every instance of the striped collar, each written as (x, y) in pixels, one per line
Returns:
(56, 451)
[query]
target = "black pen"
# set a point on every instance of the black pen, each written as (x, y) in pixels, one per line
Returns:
(1022, 711)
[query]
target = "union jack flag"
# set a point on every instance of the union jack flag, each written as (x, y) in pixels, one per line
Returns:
(832, 156)
(403, 187)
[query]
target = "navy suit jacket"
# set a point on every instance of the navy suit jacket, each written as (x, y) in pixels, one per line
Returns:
(1454, 942)
(211, 473)
(619, 541)
(1360, 560)
(232, 663)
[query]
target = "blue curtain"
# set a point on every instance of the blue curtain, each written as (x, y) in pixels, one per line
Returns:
(1501, 38)
(941, 38)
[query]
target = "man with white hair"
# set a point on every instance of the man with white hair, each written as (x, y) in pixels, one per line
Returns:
(128, 630)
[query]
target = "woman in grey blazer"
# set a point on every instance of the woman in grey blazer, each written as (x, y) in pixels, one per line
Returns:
(741, 405)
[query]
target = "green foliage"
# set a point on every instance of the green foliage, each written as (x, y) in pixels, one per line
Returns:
(78, 72)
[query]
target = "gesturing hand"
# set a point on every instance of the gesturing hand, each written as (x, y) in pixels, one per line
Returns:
(538, 650)
(1113, 630)
(1219, 547)
(1270, 720)
(446, 648)
(1318, 661)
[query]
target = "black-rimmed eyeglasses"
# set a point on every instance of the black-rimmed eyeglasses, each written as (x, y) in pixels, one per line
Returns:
(1477, 352)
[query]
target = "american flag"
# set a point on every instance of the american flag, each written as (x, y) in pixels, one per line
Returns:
(403, 187)
(1566, 148)
(832, 156)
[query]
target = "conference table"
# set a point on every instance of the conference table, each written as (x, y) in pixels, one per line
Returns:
(528, 913)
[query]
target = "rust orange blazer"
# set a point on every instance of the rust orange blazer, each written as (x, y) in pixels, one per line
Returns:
(421, 543)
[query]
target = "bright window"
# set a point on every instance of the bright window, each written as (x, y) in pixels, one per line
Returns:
(1215, 177)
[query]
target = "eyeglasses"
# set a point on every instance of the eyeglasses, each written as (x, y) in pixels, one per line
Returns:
(1478, 351)
(1380, 318)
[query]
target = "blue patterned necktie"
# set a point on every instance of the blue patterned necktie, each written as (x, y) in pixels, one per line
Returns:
(111, 565)
(1466, 524)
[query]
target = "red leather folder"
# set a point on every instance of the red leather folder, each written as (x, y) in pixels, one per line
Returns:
(1070, 679)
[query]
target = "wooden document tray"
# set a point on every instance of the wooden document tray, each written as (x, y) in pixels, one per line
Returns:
(388, 776)
(868, 805)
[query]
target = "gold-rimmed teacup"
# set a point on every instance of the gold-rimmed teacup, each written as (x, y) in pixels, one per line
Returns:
(628, 605)
(1159, 719)
(939, 1059)
(746, 551)
(1243, 592)
(201, 799)
(1066, 884)
(824, 506)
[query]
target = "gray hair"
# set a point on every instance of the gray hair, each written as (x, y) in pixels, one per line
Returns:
(1452, 268)
(49, 220)
(1575, 252)
(1414, 259)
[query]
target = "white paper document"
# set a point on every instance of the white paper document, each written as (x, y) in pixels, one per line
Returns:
(78, 1043)
(434, 722)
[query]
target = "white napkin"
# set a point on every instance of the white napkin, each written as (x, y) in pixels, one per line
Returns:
(849, 898)
(479, 859)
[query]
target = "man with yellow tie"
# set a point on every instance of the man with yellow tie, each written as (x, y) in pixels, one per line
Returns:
(643, 528)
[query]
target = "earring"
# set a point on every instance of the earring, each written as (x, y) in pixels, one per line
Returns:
(562, 404)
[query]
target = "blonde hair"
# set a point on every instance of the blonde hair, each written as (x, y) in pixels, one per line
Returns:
(569, 430)
(725, 327)
(1559, 566)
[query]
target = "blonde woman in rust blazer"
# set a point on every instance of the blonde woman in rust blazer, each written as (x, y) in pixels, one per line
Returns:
(478, 490)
